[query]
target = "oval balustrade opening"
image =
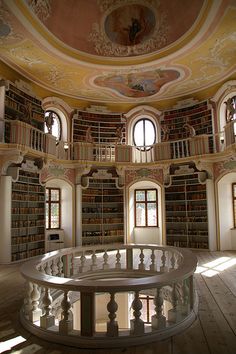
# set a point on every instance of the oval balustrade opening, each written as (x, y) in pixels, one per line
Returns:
(109, 295)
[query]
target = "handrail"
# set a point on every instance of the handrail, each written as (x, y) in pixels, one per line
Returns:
(23, 134)
(165, 272)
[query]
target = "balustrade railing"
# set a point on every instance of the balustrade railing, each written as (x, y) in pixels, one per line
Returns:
(20, 133)
(58, 281)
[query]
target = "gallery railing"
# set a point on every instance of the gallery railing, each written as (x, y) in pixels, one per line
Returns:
(69, 291)
(26, 136)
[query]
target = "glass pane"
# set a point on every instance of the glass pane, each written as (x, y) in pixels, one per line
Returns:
(139, 133)
(151, 196)
(234, 190)
(149, 133)
(54, 195)
(140, 196)
(151, 214)
(47, 216)
(47, 194)
(54, 215)
(54, 125)
(140, 214)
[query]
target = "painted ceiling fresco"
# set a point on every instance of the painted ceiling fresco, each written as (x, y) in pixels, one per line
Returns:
(118, 50)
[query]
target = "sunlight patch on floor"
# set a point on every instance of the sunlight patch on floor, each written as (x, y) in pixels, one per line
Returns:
(215, 267)
(8, 344)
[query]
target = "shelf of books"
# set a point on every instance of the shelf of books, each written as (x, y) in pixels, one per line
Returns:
(22, 106)
(186, 212)
(102, 212)
(106, 128)
(198, 115)
(28, 217)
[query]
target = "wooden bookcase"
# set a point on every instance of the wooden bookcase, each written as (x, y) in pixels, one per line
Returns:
(22, 106)
(102, 212)
(103, 127)
(198, 115)
(28, 217)
(186, 212)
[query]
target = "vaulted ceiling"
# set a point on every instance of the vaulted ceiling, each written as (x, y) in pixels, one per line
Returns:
(123, 51)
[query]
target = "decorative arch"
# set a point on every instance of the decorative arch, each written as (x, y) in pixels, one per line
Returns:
(64, 111)
(140, 112)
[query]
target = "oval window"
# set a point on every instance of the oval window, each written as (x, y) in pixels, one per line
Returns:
(144, 134)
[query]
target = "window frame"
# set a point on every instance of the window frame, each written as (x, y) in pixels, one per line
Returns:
(59, 122)
(145, 202)
(234, 207)
(50, 202)
(144, 148)
(147, 299)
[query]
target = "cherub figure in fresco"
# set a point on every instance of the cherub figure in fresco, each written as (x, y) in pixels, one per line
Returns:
(49, 120)
(166, 132)
(189, 129)
(88, 136)
(230, 109)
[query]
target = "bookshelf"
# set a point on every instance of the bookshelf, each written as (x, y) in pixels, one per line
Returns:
(186, 212)
(22, 106)
(104, 127)
(198, 115)
(28, 217)
(102, 211)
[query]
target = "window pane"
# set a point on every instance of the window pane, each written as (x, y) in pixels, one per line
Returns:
(140, 214)
(151, 214)
(139, 133)
(234, 190)
(55, 124)
(140, 196)
(149, 133)
(54, 215)
(47, 216)
(151, 196)
(54, 195)
(47, 194)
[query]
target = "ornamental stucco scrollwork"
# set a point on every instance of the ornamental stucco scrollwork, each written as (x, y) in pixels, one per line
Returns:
(41, 8)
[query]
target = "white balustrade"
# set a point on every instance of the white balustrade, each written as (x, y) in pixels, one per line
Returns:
(57, 280)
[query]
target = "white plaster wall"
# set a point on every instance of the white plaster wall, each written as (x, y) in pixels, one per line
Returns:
(144, 234)
(226, 210)
(67, 218)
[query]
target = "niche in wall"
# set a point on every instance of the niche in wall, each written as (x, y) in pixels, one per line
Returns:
(67, 218)
(144, 235)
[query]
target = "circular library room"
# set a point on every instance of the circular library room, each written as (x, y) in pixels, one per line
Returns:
(118, 176)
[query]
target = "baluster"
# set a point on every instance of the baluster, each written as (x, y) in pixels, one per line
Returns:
(112, 325)
(158, 320)
(35, 312)
(172, 260)
(173, 314)
(137, 324)
(82, 262)
(178, 150)
(141, 265)
(48, 268)
(185, 300)
(153, 265)
(182, 147)
(94, 261)
(105, 259)
(174, 150)
(187, 148)
(66, 324)
(118, 257)
(47, 319)
(163, 260)
(54, 267)
(27, 299)
(60, 267)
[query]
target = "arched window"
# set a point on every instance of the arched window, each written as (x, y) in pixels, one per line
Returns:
(52, 124)
(144, 133)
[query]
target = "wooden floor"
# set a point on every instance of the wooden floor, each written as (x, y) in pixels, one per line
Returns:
(213, 332)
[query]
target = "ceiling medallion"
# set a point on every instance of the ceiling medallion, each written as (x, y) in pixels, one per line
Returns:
(129, 29)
